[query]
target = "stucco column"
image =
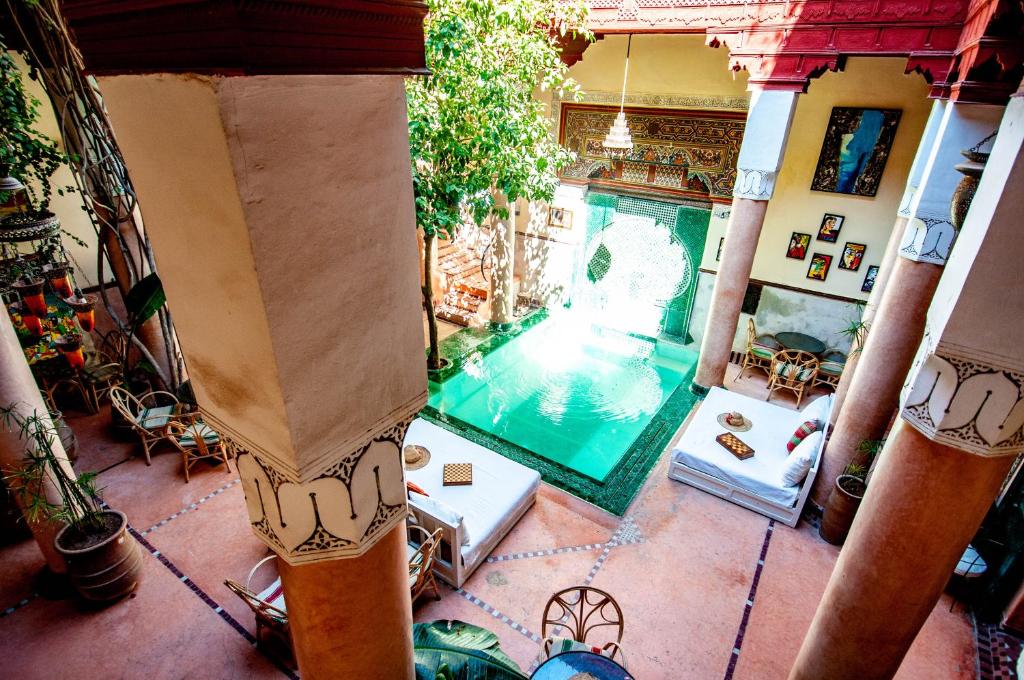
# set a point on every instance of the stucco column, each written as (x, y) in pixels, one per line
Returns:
(960, 425)
(18, 389)
(503, 262)
(892, 248)
(899, 322)
(280, 209)
(760, 158)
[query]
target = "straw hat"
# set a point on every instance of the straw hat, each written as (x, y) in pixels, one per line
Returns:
(416, 456)
(734, 421)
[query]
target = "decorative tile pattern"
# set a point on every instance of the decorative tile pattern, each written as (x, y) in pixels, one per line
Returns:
(928, 238)
(7, 611)
(190, 508)
(544, 553)
(998, 652)
(504, 618)
(735, 657)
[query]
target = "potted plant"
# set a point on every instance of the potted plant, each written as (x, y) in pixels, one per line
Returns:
(849, 489)
(104, 562)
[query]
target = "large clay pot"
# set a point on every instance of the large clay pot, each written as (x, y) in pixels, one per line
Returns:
(841, 508)
(109, 568)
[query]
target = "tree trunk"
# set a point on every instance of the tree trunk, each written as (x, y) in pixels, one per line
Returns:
(434, 355)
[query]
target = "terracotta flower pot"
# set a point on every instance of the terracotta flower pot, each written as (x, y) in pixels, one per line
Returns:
(841, 509)
(104, 565)
(31, 293)
(70, 346)
(84, 307)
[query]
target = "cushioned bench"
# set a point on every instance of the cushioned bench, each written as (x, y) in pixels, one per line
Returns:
(472, 518)
(756, 483)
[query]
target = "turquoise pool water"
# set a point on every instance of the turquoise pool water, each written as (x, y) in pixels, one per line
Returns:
(567, 390)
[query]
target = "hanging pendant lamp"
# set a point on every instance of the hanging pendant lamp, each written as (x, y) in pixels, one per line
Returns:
(618, 143)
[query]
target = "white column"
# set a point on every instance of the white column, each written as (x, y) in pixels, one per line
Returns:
(503, 264)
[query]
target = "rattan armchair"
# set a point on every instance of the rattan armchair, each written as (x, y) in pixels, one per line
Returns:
(759, 352)
(577, 612)
(196, 441)
(830, 370)
(423, 547)
(102, 370)
(268, 606)
(792, 370)
(149, 422)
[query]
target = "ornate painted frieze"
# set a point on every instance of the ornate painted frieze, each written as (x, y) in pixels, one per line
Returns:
(928, 239)
(966, 401)
(339, 513)
(908, 198)
(690, 153)
(710, 102)
(757, 185)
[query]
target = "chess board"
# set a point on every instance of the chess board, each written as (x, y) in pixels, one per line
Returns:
(457, 474)
(734, 445)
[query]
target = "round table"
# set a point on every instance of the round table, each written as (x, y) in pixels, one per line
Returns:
(570, 664)
(800, 341)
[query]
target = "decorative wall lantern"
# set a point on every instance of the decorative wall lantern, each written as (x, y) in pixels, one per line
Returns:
(32, 323)
(30, 290)
(84, 307)
(60, 280)
(619, 142)
(70, 345)
(971, 169)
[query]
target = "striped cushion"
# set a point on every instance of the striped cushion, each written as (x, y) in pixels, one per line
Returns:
(801, 433)
(560, 645)
(155, 418)
(794, 372)
(208, 434)
(274, 595)
(762, 352)
(831, 367)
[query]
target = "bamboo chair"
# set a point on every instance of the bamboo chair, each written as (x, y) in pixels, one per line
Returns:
(268, 606)
(421, 560)
(579, 611)
(830, 370)
(102, 370)
(197, 441)
(792, 370)
(149, 422)
(51, 382)
(760, 350)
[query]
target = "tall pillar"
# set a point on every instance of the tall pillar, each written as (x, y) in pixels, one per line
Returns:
(899, 321)
(503, 258)
(280, 209)
(892, 248)
(18, 389)
(760, 158)
(960, 425)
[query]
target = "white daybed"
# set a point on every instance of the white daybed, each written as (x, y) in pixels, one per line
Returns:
(755, 483)
(501, 492)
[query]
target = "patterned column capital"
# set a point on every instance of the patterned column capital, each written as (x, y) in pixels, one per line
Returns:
(966, 400)
(341, 512)
(756, 185)
(927, 238)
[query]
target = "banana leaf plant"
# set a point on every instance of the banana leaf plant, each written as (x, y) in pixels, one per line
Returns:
(455, 650)
(142, 302)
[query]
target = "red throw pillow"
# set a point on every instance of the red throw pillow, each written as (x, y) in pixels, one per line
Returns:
(414, 487)
(805, 429)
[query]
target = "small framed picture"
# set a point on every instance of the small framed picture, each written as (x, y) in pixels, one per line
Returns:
(869, 279)
(830, 226)
(853, 255)
(721, 242)
(798, 244)
(818, 269)
(559, 217)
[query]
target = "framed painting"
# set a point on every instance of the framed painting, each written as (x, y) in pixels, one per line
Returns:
(853, 255)
(559, 217)
(830, 226)
(818, 269)
(855, 150)
(798, 244)
(869, 279)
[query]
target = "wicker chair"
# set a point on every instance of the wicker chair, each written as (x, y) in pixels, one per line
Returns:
(760, 350)
(831, 368)
(197, 441)
(148, 421)
(56, 376)
(792, 370)
(578, 611)
(423, 547)
(102, 370)
(268, 606)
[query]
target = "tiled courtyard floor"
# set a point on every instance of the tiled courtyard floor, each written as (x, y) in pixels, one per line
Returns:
(708, 590)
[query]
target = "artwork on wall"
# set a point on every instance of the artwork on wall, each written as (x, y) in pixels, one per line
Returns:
(721, 242)
(869, 279)
(855, 149)
(798, 244)
(675, 151)
(559, 217)
(830, 226)
(818, 269)
(853, 255)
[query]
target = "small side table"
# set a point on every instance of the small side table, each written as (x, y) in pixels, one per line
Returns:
(569, 665)
(800, 341)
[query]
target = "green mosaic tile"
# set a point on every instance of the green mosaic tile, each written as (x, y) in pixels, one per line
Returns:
(468, 343)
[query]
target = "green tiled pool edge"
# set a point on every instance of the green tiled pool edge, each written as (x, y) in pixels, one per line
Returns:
(623, 482)
(468, 342)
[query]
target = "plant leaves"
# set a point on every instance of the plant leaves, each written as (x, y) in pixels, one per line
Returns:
(144, 299)
(456, 650)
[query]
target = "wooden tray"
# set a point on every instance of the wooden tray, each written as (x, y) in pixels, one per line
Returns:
(734, 445)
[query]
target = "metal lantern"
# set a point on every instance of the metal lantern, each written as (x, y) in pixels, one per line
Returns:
(971, 170)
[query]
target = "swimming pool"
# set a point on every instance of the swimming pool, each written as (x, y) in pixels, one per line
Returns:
(567, 390)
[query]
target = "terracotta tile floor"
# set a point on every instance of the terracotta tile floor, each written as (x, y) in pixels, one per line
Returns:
(682, 564)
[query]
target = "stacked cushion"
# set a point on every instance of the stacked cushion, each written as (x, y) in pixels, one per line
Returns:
(806, 428)
(800, 461)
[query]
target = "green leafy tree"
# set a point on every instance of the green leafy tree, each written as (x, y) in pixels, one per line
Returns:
(475, 128)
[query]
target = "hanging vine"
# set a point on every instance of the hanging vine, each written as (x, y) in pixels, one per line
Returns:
(97, 164)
